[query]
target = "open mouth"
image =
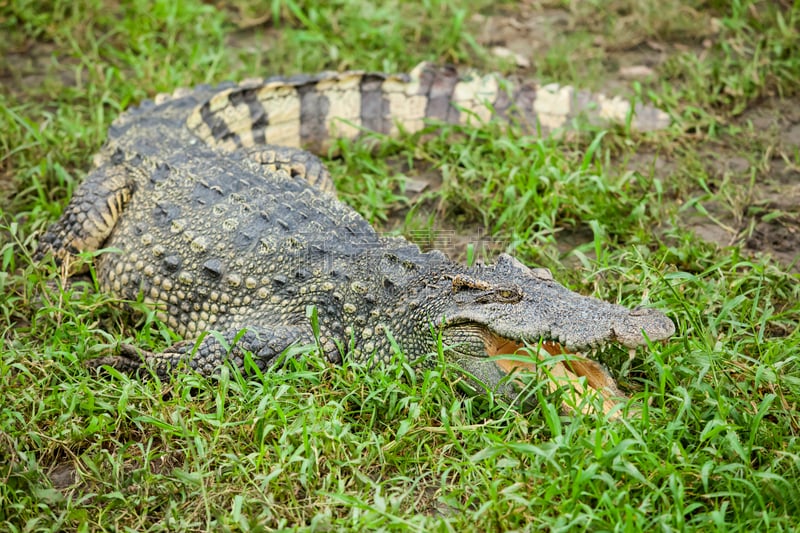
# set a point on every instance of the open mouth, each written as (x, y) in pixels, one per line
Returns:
(577, 374)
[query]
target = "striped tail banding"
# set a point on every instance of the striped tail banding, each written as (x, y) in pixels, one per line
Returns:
(313, 111)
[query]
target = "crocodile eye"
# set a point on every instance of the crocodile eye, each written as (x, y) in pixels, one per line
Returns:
(510, 295)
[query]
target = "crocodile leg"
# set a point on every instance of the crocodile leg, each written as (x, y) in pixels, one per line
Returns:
(298, 162)
(90, 216)
(207, 355)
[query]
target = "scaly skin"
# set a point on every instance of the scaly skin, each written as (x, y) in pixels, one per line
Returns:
(215, 217)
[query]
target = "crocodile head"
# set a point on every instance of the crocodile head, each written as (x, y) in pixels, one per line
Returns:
(498, 310)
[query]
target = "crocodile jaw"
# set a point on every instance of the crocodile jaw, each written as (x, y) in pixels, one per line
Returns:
(492, 358)
(578, 374)
(494, 311)
(575, 374)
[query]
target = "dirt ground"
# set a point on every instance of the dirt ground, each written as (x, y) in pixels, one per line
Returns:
(754, 198)
(765, 192)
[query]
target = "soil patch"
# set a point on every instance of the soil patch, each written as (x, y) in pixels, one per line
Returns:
(756, 202)
(37, 65)
(756, 196)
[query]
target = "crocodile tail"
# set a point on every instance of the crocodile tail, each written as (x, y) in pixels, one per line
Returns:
(313, 111)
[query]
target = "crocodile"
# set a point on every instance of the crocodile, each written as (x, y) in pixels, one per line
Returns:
(211, 206)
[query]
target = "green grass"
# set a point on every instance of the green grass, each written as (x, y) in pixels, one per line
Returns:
(710, 436)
